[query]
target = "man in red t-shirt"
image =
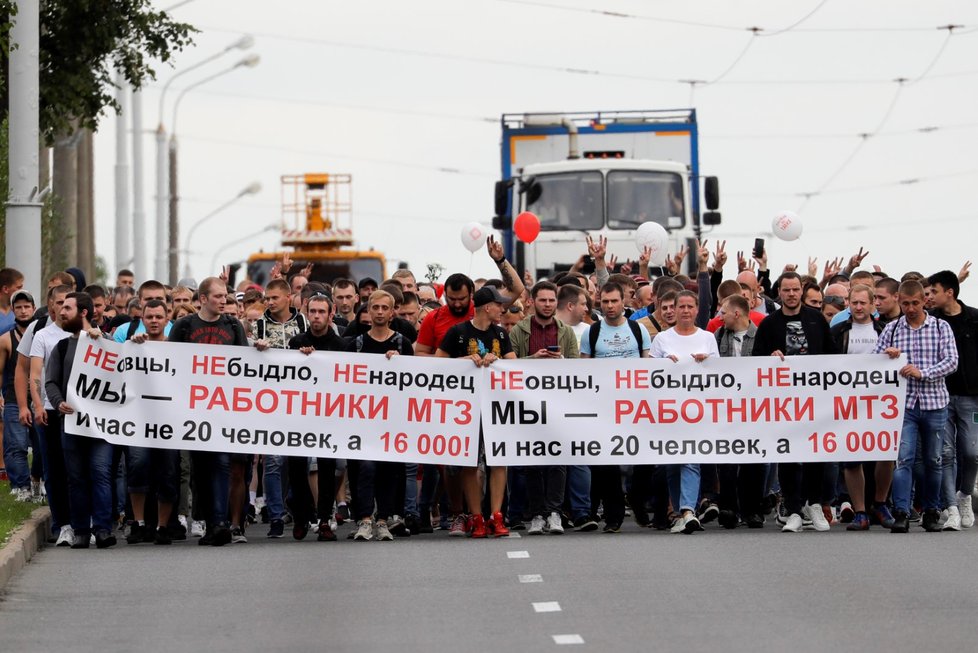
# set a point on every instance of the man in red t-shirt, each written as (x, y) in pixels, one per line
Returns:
(458, 301)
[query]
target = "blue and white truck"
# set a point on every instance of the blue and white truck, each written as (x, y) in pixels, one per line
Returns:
(600, 173)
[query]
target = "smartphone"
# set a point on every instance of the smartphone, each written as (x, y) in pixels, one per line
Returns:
(588, 265)
(758, 247)
(553, 348)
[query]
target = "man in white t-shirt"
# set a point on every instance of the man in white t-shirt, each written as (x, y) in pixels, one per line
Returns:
(858, 335)
(683, 342)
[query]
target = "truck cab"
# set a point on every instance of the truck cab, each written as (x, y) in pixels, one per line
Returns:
(600, 174)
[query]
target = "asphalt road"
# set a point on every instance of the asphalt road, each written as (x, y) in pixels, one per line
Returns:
(638, 590)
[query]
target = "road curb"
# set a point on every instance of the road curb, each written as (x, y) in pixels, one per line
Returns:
(24, 543)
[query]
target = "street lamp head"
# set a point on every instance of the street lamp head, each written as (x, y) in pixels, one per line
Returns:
(244, 43)
(250, 61)
(251, 189)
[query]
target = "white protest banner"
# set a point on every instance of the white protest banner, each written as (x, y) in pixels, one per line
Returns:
(240, 400)
(723, 410)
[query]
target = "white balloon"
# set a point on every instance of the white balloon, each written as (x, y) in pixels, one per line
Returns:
(473, 236)
(654, 236)
(787, 225)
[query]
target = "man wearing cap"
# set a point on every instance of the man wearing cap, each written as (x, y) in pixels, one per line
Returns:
(17, 436)
(11, 281)
(482, 340)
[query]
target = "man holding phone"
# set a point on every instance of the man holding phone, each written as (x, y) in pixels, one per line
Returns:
(542, 335)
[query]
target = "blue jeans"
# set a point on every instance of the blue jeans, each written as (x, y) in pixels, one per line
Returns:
(960, 454)
(684, 486)
(578, 490)
(89, 465)
(411, 490)
(923, 436)
(16, 440)
(272, 483)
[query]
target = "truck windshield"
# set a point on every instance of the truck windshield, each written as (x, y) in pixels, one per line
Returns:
(637, 196)
(569, 201)
(322, 270)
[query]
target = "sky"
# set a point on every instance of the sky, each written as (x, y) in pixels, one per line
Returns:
(407, 98)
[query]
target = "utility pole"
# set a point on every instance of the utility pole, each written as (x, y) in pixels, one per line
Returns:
(85, 257)
(138, 209)
(23, 246)
(123, 239)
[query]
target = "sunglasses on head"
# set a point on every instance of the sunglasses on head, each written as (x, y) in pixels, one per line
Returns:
(834, 300)
(514, 309)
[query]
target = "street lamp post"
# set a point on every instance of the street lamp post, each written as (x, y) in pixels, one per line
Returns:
(251, 189)
(160, 268)
(174, 223)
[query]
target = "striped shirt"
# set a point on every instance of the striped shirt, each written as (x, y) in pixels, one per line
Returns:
(931, 348)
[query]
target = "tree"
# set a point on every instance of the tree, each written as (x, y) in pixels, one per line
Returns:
(82, 43)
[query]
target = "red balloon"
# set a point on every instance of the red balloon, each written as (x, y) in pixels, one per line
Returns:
(527, 227)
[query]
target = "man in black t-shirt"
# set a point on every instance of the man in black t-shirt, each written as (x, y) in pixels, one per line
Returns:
(798, 330)
(212, 471)
(319, 337)
(377, 480)
(484, 341)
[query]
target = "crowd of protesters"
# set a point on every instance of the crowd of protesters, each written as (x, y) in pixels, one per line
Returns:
(96, 490)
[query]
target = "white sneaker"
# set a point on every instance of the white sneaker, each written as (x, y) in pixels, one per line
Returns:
(66, 537)
(365, 531)
(383, 532)
(554, 525)
(792, 524)
(536, 526)
(680, 524)
(819, 522)
(23, 495)
(197, 528)
(183, 522)
(953, 522)
(966, 510)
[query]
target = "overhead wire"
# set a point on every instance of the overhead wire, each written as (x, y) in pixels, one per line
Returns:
(901, 84)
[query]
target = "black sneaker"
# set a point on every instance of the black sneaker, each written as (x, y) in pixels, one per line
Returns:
(413, 524)
(342, 514)
(913, 516)
(931, 521)
(708, 511)
(82, 541)
(641, 518)
(104, 539)
(276, 529)
(163, 536)
(517, 525)
(176, 532)
(398, 527)
(901, 523)
(222, 535)
(585, 524)
(728, 519)
(137, 533)
(424, 523)
(612, 527)
(207, 539)
(300, 529)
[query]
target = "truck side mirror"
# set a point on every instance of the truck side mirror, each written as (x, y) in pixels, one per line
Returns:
(711, 191)
(502, 197)
(711, 218)
(502, 222)
(533, 192)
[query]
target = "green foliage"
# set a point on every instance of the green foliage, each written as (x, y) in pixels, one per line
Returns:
(82, 43)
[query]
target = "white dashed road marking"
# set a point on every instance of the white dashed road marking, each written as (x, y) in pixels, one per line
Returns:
(531, 578)
(568, 639)
(517, 554)
(546, 606)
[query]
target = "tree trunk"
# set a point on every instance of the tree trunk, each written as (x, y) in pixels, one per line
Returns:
(64, 246)
(85, 255)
